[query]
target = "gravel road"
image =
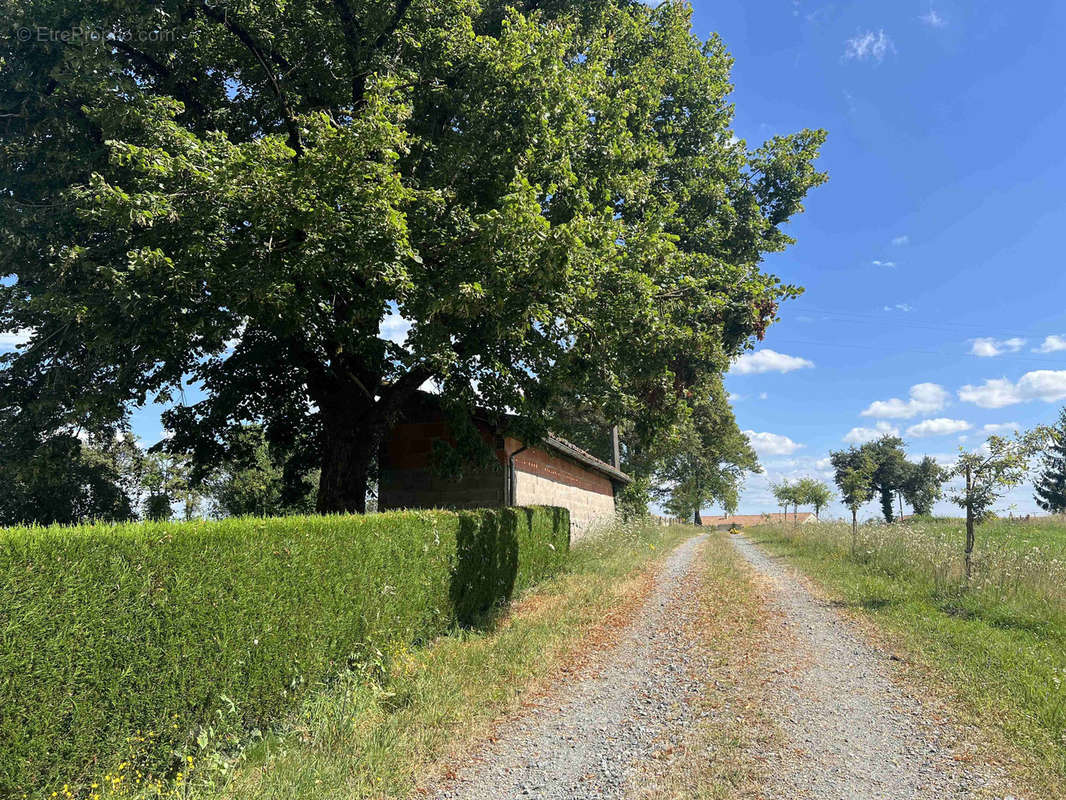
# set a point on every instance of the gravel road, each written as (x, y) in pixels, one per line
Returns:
(585, 739)
(849, 731)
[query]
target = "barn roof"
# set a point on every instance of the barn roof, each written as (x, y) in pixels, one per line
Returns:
(561, 445)
(423, 402)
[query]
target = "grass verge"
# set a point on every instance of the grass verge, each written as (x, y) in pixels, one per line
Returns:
(996, 649)
(379, 732)
(718, 759)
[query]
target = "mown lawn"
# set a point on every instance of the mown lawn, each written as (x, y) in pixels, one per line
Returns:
(382, 731)
(996, 646)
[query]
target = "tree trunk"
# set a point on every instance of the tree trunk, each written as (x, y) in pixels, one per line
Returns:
(696, 518)
(854, 531)
(899, 496)
(351, 437)
(969, 525)
(886, 504)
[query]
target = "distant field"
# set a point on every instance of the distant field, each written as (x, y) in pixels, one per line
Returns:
(998, 646)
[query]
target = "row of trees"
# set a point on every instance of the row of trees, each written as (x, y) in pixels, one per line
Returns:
(74, 478)
(980, 477)
(804, 492)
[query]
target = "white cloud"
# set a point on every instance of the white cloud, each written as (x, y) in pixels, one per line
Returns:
(933, 20)
(864, 435)
(925, 398)
(763, 395)
(768, 361)
(772, 444)
(941, 426)
(1001, 428)
(987, 347)
(1042, 384)
(878, 263)
(1051, 344)
(899, 241)
(904, 307)
(9, 340)
(868, 45)
(394, 328)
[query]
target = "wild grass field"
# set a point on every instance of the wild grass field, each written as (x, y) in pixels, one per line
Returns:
(996, 645)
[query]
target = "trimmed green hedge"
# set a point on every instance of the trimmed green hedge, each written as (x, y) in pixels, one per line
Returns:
(135, 638)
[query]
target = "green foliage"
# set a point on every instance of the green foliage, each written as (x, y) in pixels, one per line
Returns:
(1051, 484)
(257, 479)
(162, 632)
(890, 470)
(853, 473)
(64, 479)
(552, 197)
(811, 492)
(706, 458)
(785, 494)
(922, 485)
(989, 472)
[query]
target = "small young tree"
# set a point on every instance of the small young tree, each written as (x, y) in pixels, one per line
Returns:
(1051, 485)
(784, 493)
(854, 469)
(817, 494)
(999, 466)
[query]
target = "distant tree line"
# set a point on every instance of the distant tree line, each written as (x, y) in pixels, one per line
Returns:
(978, 478)
(70, 478)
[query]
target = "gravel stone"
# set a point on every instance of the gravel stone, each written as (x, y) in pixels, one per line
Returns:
(850, 731)
(585, 740)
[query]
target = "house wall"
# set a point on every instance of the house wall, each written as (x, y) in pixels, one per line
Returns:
(542, 477)
(408, 481)
(546, 478)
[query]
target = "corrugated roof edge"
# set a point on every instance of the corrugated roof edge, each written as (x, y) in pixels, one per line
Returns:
(585, 457)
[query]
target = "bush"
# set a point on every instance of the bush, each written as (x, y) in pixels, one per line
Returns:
(129, 642)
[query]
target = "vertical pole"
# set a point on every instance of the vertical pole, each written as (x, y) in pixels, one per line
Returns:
(616, 456)
(969, 522)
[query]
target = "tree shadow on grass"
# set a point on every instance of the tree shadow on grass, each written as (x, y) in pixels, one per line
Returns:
(1002, 619)
(866, 603)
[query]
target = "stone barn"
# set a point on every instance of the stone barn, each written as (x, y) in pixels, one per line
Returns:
(554, 472)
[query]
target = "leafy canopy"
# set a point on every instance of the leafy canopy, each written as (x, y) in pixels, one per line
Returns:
(256, 198)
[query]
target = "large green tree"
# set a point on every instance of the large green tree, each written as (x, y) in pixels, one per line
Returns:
(1050, 485)
(923, 485)
(248, 197)
(67, 478)
(705, 461)
(890, 470)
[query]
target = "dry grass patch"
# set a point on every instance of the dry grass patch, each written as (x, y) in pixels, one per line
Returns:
(721, 756)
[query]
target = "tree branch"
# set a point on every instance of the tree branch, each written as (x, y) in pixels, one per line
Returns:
(264, 56)
(354, 44)
(163, 72)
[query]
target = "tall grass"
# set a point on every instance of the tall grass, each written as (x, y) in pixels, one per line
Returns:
(997, 643)
(1011, 573)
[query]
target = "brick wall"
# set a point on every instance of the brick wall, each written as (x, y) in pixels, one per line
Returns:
(542, 477)
(587, 508)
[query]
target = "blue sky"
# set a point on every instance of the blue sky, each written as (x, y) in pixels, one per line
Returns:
(932, 257)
